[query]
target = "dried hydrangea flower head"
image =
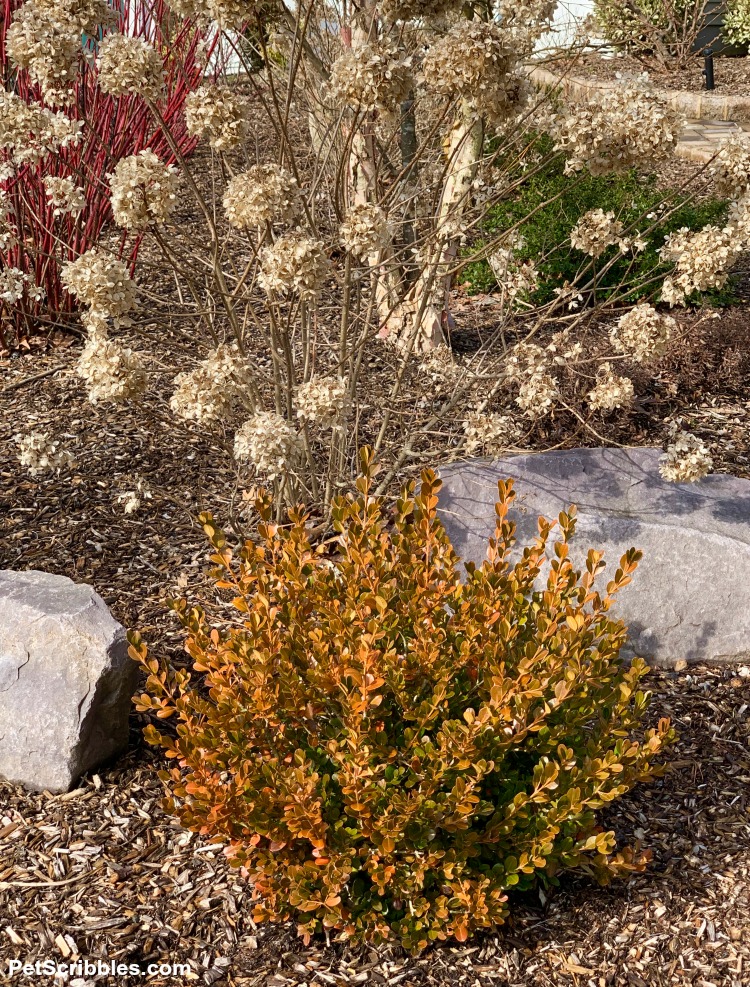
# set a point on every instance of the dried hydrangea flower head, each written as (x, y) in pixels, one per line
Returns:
(475, 61)
(47, 51)
(562, 351)
(38, 452)
(623, 128)
(730, 167)
(537, 394)
(525, 21)
(228, 14)
(516, 280)
(686, 460)
(29, 131)
(595, 231)
(524, 360)
(270, 443)
(702, 258)
(130, 65)
(13, 282)
(219, 115)
(490, 434)
(209, 391)
(144, 190)
(82, 16)
(643, 333)
(8, 232)
(373, 76)
(610, 391)
(321, 400)
(65, 197)
(112, 372)
(412, 10)
(266, 193)
(45, 39)
(294, 264)
(439, 365)
(739, 217)
(365, 231)
(103, 284)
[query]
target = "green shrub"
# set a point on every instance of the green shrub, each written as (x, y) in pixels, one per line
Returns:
(560, 201)
(736, 28)
(389, 750)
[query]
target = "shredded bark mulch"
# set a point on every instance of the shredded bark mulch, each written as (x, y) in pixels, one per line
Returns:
(102, 873)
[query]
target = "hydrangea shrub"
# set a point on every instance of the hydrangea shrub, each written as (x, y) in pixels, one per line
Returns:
(388, 750)
(73, 108)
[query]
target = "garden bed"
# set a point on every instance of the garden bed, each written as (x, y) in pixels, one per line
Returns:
(102, 873)
(731, 75)
(695, 104)
(105, 867)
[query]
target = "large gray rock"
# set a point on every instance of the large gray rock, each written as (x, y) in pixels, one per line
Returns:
(690, 596)
(66, 681)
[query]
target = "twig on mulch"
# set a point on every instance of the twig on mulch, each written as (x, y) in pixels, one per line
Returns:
(29, 380)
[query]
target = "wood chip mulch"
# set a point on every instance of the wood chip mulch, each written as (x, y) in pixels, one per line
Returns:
(102, 873)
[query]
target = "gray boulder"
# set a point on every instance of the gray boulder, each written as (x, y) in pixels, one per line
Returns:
(66, 681)
(690, 596)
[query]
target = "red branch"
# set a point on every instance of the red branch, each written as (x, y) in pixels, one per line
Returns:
(114, 128)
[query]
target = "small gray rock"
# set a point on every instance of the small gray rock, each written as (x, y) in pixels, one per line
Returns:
(66, 681)
(690, 596)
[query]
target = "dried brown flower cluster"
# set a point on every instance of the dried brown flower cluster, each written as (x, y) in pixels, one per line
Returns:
(365, 232)
(730, 167)
(438, 364)
(112, 372)
(686, 460)
(475, 62)
(490, 434)
(525, 21)
(206, 393)
(219, 115)
(29, 131)
(270, 443)
(702, 260)
(624, 128)
(39, 452)
(14, 283)
(371, 76)
(103, 284)
(234, 14)
(130, 65)
(266, 193)
(321, 400)
(516, 280)
(595, 231)
(610, 391)
(144, 190)
(45, 39)
(642, 333)
(294, 264)
(65, 197)
(528, 364)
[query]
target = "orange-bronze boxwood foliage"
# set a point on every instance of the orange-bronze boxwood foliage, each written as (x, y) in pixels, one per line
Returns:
(388, 750)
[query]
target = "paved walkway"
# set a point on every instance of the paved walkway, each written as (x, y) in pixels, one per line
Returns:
(700, 138)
